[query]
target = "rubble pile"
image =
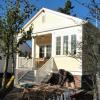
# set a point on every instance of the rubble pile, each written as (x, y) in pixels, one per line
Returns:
(40, 92)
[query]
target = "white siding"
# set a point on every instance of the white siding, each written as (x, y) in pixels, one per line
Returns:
(69, 64)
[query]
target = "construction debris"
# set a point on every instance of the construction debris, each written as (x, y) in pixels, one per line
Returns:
(42, 92)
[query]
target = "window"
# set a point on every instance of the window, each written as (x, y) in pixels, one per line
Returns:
(65, 45)
(45, 51)
(73, 44)
(48, 51)
(41, 55)
(58, 45)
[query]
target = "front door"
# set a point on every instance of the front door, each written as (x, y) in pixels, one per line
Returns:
(42, 52)
(45, 51)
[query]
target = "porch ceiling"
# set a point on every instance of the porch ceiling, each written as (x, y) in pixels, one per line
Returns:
(44, 39)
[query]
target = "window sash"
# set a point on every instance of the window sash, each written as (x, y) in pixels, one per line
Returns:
(65, 45)
(58, 45)
(48, 51)
(73, 44)
(41, 54)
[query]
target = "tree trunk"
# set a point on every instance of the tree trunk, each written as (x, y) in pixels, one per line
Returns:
(6, 61)
(5, 71)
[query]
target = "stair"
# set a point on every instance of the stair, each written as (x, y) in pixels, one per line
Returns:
(45, 80)
(28, 77)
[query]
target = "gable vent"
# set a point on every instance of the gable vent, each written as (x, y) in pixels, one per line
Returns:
(43, 17)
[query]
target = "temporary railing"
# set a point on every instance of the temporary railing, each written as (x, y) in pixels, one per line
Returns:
(24, 62)
(45, 70)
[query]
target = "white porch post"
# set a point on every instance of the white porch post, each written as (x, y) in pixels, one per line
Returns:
(53, 51)
(33, 53)
(16, 71)
(17, 60)
(17, 66)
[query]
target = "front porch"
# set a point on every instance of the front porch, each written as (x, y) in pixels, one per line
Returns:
(41, 49)
(41, 53)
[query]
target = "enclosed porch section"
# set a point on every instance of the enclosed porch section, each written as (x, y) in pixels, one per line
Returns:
(41, 49)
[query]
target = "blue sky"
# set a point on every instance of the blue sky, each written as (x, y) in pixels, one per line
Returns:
(79, 10)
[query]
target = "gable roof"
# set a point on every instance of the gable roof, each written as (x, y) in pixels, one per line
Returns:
(53, 12)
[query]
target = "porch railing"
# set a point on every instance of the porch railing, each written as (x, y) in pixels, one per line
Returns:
(24, 62)
(45, 70)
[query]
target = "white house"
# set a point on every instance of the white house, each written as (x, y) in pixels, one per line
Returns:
(60, 41)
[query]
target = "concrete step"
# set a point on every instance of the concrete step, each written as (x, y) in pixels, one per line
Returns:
(29, 76)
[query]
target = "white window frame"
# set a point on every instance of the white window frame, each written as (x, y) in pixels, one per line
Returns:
(66, 45)
(58, 52)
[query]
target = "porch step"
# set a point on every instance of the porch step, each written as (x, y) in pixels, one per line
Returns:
(28, 77)
(45, 80)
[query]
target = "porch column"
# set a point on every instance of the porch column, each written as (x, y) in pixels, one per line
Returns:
(16, 71)
(53, 51)
(33, 51)
(17, 66)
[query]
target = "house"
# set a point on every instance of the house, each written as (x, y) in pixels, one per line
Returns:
(60, 41)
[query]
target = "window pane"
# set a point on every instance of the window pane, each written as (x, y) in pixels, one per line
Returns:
(58, 45)
(48, 51)
(41, 52)
(73, 44)
(65, 45)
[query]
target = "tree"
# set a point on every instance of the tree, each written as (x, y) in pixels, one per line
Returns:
(17, 11)
(93, 6)
(67, 8)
